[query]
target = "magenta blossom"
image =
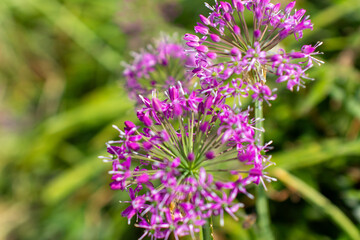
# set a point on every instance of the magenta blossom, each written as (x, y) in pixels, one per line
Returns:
(157, 68)
(230, 47)
(192, 159)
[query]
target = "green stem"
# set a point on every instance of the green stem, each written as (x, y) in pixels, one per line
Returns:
(207, 230)
(262, 207)
(259, 124)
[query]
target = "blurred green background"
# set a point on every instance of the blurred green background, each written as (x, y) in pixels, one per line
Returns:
(61, 90)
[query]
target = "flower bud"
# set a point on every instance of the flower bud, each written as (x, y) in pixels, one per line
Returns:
(173, 93)
(156, 104)
(257, 34)
(178, 110)
(201, 108)
(143, 178)
(208, 102)
(147, 145)
(297, 55)
(129, 125)
(276, 58)
(238, 5)
(211, 55)
(191, 37)
(266, 90)
(135, 138)
(204, 127)
(235, 52)
(210, 155)
(227, 17)
(225, 6)
(196, 70)
(289, 7)
(255, 172)
(134, 146)
(202, 48)
(193, 44)
(215, 38)
(236, 29)
(299, 14)
(165, 136)
(276, 8)
(205, 20)
(191, 156)
(202, 30)
(176, 162)
(147, 121)
(307, 49)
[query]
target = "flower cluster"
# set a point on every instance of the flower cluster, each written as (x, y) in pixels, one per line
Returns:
(158, 67)
(229, 46)
(194, 156)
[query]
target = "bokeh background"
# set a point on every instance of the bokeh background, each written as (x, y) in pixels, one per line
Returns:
(61, 90)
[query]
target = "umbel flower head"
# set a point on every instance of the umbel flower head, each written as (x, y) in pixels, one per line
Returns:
(192, 159)
(229, 45)
(158, 67)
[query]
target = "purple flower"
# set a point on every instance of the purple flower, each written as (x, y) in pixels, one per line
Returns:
(159, 67)
(189, 164)
(193, 154)
(229, 47)
(262, 92)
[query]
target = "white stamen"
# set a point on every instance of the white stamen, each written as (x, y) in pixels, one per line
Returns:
(116, 127)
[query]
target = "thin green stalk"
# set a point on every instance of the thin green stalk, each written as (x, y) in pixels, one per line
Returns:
(207, 230)
(262, 207)
(259, 124)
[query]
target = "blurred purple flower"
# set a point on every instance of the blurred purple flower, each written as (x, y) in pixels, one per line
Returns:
(157, 68)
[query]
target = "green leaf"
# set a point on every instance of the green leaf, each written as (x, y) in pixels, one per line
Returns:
(324, 81)
(103, 105)
(72, 179)
(353, 107)
(336, 11)
(314, 153)
(317, 199)
(69, 23)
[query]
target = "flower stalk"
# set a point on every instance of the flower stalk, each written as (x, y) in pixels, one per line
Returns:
(207, 230)
(261, 202)
(262, 209)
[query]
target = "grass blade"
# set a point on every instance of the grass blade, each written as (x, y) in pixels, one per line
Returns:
(317, 199)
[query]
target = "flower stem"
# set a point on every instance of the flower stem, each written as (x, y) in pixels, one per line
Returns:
(207, 230)
(262, 207)
(259, 123)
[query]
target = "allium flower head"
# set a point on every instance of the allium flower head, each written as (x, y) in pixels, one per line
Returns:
(231, 46)
(158, 67)
(192, 159)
